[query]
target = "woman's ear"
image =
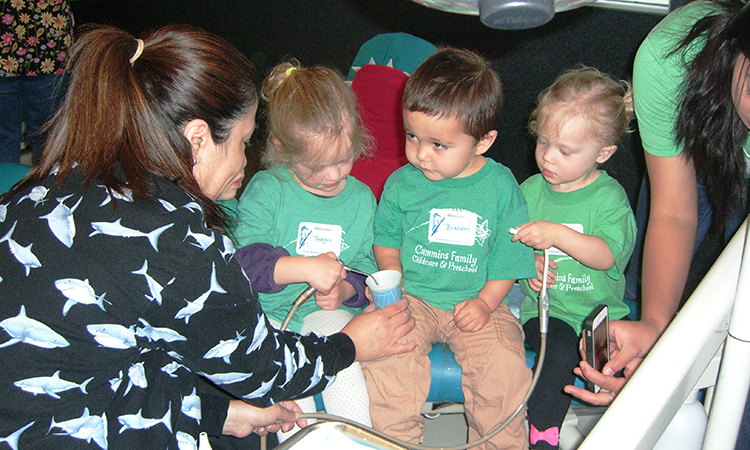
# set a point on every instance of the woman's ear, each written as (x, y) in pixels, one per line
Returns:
(486, 142)
(605, 153)
(198, 134)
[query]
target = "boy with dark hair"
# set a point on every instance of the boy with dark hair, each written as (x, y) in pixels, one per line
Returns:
(443, 222)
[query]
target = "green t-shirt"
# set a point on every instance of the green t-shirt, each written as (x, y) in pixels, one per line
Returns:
(658, 77)
(275, 210)
(453, 234)
(600, 209)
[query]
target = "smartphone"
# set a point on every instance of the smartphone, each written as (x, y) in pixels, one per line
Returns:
(596, 341)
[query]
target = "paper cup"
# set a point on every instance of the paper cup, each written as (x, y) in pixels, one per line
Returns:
(388, 288)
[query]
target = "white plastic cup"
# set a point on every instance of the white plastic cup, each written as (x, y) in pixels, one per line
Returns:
(387, 289)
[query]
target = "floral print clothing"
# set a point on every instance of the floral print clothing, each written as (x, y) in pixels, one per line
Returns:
(34, 37)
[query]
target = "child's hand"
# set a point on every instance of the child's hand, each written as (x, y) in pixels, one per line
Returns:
(538, 234)
(536, 283)
(471, 314)
(333, 299)
(325, 273)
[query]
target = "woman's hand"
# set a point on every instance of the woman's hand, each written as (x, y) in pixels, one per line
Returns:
(376, 332)
(244, 418)
(610, 386)
(629, 343)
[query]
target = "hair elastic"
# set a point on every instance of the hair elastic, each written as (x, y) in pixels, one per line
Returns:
(138, 51)
(290, 70)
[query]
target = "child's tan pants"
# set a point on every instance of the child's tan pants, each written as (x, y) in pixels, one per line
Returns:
(494, 379)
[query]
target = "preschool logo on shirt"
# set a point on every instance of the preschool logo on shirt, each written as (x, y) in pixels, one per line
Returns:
(450, 226)
(317, 238)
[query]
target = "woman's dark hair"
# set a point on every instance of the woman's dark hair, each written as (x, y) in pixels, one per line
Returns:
(121, 123)
(708, 125)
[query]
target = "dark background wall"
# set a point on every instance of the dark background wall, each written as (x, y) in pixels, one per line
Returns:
(331, 31)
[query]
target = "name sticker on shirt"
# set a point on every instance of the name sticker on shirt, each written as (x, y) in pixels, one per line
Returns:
(314, 239)
(573, 226)
(449, 226)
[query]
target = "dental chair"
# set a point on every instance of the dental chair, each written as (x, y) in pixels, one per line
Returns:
(378, 75)
(10, 174)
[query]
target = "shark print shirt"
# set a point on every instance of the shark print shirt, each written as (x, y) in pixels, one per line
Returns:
(114, 308)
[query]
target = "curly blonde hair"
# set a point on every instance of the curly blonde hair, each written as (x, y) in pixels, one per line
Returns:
(588, 93)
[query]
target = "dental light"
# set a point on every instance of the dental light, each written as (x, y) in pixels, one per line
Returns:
(507, 14)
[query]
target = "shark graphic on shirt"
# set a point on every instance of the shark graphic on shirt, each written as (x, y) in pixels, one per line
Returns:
(114, 383)
(23, 254)
(36, 195)
(185, 441)
(227, 378)
(78, 292)
(264, 388)
(136, 377)
(202, 241)
(191, 406)
(168, 206)
(12, 439)
(192, 207)
(117, 230)
(154, 334)
(196, 305)
(259, 335)
(225, 348)
(29, 331)
(86, 427)
(138, 422)
(113, 335)
(153, 286)
(290, 365)
(61, 223)
(126, 195)
(229, 250)
(302, 358)
(172, 367)
(50, 385)
(317, 375)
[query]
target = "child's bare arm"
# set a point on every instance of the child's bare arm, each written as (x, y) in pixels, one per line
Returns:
(590, 251)
(387, 258)
(472, 314)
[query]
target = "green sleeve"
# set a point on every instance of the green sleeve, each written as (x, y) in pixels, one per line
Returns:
(658, 76)
(256, 212)
(511, 260)
(387, 224)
